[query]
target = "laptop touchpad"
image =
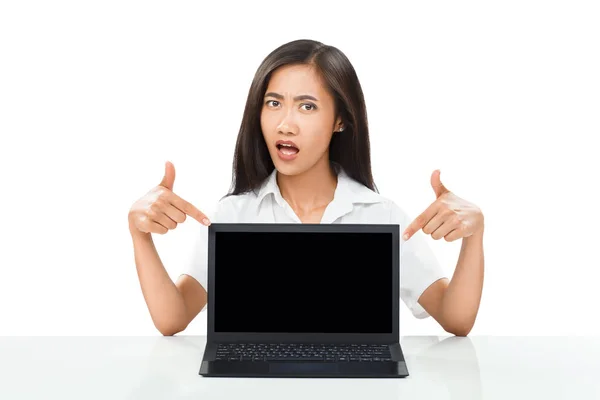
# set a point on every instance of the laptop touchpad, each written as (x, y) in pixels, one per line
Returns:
(302, 367)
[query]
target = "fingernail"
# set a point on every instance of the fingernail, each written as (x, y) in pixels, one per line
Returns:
(405, 237)
(206, 221)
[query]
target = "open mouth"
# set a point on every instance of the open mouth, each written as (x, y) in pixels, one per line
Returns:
(287, 149)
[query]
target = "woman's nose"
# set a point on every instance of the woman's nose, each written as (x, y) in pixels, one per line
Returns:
(287, 125)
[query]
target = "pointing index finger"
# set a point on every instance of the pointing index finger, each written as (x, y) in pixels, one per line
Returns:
(420, 221)
(189, 209)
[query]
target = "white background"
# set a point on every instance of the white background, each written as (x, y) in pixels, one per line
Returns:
(96, 96)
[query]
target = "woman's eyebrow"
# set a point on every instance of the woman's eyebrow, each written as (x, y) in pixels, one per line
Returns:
(301, 97)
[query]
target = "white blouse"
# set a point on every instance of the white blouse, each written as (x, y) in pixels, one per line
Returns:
(352, 203)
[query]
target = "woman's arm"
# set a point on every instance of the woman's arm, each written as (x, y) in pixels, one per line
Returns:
(463, 295)
(172, 306)
(455, 303)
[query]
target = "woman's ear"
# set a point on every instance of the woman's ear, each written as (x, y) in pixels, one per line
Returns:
(339, 125)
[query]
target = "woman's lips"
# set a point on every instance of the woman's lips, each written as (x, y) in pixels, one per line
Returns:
(287, 153)
(286, 143)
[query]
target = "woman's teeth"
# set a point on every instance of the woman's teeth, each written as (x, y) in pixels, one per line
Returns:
(287, 149)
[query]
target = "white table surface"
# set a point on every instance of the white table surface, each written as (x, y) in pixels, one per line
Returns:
(477, 367)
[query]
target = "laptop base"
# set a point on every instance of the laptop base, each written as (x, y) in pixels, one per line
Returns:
(290, 369)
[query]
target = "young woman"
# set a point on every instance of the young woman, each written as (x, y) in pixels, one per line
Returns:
(302, 155)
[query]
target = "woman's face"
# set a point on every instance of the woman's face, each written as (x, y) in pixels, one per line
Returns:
(297, 109)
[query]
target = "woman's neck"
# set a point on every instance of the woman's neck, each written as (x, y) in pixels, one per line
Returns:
(310, 190)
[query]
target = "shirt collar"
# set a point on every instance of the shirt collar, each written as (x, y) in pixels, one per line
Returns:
(347, 193)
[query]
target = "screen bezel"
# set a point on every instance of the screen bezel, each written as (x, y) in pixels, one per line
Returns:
(391, 337)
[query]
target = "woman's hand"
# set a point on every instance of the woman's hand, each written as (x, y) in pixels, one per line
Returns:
(448, 217)
(160, 210)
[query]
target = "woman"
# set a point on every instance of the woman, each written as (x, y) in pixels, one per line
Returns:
(303, 155)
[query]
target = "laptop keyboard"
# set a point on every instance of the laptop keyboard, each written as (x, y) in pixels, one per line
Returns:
(303, 352)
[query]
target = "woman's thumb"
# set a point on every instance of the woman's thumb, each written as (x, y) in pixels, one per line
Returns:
(169, 178)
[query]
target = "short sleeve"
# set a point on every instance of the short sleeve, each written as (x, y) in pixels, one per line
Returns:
(419, 267)
(197, 263)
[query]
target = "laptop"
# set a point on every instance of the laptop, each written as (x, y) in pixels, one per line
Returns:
(303, 300)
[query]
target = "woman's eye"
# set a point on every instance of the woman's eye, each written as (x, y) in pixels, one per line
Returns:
(275, 103)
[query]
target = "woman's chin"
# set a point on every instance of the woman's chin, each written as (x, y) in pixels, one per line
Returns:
(287, 168)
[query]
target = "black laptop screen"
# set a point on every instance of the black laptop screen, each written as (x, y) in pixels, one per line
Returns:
(300, 282)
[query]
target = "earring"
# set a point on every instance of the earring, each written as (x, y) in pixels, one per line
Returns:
(341, 129)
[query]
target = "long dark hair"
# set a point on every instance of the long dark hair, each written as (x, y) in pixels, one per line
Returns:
(350, 148)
